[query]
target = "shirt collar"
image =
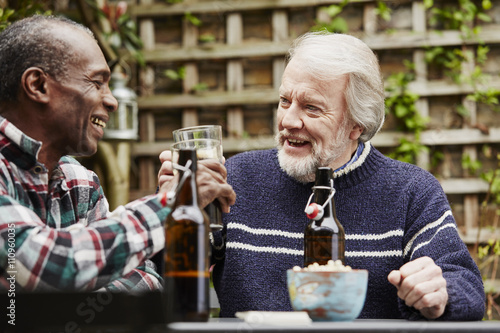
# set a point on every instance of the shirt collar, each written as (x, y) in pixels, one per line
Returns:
(24, 148)
(355, 157)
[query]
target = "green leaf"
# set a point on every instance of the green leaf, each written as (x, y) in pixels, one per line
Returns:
(134, 39)
(410, 123)
(182, 72)
(484, 17)
(496, 248)
(333, 10)
(337, 25)
(400, 111)
(171, 74)
(206, 38)
(483, 251)
(462, 110)
(486, 4)
(200, 87)
(383, 11)
(192, 19)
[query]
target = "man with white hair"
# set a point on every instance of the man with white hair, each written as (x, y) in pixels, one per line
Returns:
(397, 220)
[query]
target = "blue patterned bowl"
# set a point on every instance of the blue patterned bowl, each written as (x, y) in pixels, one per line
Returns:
(328, 296)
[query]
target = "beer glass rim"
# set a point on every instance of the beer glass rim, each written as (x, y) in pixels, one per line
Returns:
(196, 127)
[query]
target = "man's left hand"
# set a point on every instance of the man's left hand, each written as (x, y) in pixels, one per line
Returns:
(421, 284)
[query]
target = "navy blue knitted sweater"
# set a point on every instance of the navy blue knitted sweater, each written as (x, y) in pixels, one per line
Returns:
(392, 212)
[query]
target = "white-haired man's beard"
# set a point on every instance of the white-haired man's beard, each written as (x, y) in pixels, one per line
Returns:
(303, 169)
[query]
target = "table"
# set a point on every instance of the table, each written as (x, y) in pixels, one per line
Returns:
(125, 313)
(357, 326)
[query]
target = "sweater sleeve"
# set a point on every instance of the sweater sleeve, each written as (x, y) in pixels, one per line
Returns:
(432, 231)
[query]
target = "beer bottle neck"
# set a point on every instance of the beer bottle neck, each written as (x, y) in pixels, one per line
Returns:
(188, 193)
(321, 197)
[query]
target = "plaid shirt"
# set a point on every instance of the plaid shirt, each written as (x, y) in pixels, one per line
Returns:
(60, 235)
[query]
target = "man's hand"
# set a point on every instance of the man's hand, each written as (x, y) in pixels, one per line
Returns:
(211, 178)
(421, 284)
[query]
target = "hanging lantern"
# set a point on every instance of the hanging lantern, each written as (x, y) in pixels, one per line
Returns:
(123, 124)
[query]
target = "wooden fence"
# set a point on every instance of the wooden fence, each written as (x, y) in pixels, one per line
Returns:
(241, 68)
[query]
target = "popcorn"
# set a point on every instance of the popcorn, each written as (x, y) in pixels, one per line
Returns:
(331, 266)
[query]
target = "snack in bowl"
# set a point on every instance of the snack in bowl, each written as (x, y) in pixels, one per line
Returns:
(331, 292)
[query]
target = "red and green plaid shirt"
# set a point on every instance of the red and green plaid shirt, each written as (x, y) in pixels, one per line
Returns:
(60, 235)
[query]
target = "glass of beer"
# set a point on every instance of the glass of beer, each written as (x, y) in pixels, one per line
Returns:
(207, 140)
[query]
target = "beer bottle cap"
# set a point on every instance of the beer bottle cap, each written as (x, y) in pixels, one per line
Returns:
(314, 211)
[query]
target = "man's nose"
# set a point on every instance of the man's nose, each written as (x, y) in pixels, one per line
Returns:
(292, 117)
(110, 102)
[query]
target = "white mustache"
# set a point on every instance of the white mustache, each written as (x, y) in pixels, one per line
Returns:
(282, 135)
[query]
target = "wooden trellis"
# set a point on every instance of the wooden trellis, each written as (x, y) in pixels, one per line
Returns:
(243, 66)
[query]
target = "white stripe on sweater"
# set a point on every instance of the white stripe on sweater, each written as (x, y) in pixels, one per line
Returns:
(424, 229)
(389, 253)
(264, 232)
(269, 249)
(392, 233)
(281, 250)
(449, 225)
(298, 235)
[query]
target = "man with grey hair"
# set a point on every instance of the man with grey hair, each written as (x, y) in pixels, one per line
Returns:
(56, 231)
(397, 220)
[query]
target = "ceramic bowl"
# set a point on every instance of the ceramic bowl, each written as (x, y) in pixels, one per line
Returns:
(328, 296)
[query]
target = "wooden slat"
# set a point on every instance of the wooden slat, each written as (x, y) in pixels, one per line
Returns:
(446, 87)
(381, 41)
(280, 26)
(485, 235)
(189, 117)
(459, 136)
(217, 51)
(233, 145)
(471, 202)
(163, 9)
(471, 210)
(234, 74)
(422, 104)
(265, 96)
(464, 186)
(146, 178)
(370, 19)
(280, 33)
(189, 39)
(382, 139)
(419, 20)
(412, 39)
(204, 99)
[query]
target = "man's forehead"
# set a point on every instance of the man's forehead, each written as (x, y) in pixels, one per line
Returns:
(66, 32)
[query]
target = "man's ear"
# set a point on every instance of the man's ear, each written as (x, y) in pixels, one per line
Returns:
(34, 84)
(356, 132)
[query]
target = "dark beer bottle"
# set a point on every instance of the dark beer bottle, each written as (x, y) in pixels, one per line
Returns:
(187, 249)
(324, 237)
